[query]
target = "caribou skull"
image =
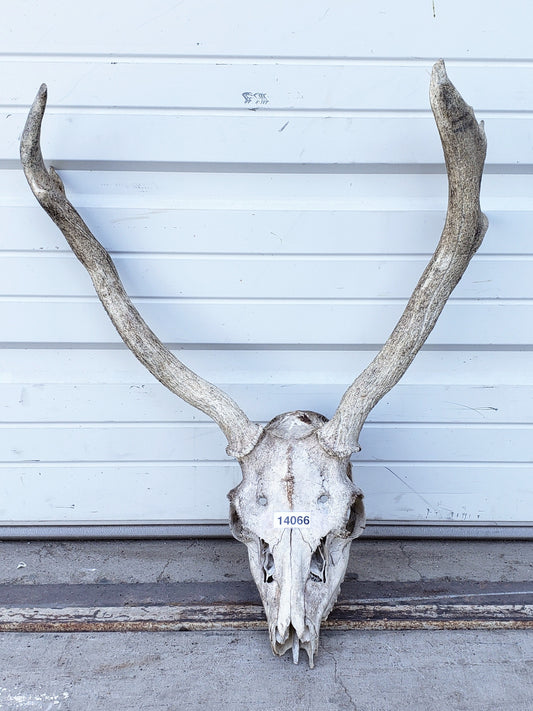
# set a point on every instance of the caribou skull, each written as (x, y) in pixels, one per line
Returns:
(296, 509)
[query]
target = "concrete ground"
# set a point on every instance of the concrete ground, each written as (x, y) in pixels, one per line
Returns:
(235, 669)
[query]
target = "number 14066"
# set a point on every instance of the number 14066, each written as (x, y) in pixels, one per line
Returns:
(291, 519)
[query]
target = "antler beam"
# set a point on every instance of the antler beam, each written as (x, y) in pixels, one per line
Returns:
(464, 144)
(297, 508)
(46, 185)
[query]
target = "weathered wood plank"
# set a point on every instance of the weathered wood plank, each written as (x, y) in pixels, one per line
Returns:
(195, 606)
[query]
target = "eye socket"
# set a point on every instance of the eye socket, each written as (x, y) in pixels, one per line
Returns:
(317, 571)
(323, 498)
(262, 500)
(267, 561)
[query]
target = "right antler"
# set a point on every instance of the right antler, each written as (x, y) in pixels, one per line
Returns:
(464, 144)
(241, 433)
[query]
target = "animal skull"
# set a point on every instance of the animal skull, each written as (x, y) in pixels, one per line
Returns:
(296, 509)
(297, 568)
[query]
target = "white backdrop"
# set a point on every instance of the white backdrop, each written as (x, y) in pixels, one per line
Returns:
(270, 183)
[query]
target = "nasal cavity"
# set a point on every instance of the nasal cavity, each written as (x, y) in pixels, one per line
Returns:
(267, 562)
(317, 571)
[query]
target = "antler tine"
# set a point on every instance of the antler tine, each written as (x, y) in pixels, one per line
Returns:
(241, 433)
(464, 145)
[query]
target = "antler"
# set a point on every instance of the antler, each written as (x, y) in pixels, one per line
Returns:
(241, 433)
(464, 145)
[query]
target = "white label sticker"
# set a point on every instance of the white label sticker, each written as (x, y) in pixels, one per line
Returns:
(292, 519)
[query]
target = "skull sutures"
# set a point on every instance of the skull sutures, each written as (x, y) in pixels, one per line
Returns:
(297, 510)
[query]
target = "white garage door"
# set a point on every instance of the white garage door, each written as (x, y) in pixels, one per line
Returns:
(270, 184)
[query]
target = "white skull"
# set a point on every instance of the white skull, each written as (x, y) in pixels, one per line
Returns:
(299, 463)
(297, 569)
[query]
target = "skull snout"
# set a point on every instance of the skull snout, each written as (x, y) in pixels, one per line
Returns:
(289, 565)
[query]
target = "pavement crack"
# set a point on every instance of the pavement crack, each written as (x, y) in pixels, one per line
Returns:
(161, 575)
(408, 558)
(338, 679)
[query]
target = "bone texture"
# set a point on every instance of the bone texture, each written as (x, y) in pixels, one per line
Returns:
(298, 571)
(140, 339)
(464, 145)
(299, 462)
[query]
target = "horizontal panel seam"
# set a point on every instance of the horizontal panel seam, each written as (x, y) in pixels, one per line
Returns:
(267, 256)
(272, 59)
(212, 112)
(170, 463)
(202, 424)
(44, 299)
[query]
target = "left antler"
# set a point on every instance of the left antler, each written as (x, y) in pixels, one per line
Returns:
(241, 433)
(464, 144)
